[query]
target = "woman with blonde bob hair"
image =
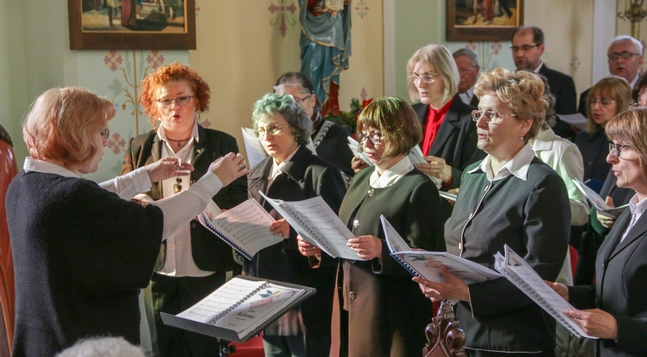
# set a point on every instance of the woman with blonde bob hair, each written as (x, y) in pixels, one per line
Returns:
(509, 198)
(81, 245)
(378, 296)
(608, 97)
(448, 134)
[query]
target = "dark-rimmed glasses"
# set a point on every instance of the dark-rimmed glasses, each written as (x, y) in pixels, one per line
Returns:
(300, 100)
(617, 149)
(181, 101)
(624, 54)
(105, 133)
(491, 116)
(374, 138)
(524, 48)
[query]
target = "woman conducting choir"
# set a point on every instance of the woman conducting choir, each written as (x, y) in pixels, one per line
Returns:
(380, 311)
(81, 253)
(192, 262)
(293, 173)
(513, 198)
(615, 306)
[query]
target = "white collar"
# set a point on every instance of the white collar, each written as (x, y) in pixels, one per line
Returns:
(161, 133)
(392, 175)
(541, 64)
(277, 168)
(517, 166)
(46, 167)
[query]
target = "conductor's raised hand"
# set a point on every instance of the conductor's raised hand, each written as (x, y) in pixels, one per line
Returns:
(229, 167)
(167, 167)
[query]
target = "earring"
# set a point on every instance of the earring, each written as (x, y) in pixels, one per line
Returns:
(521, 138)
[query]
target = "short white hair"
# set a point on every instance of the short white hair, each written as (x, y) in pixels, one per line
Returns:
(103, 347)
(638, 47)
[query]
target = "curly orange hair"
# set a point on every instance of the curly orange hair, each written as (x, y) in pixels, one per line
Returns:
(172, 73)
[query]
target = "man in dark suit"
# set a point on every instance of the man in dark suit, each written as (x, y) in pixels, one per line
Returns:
(625, 56)
(468, 69)
(527, 49)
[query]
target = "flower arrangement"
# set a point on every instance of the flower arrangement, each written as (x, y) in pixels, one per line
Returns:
(348, 119)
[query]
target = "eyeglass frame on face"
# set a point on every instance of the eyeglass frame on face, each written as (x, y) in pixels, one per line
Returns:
(300, 101)
(617, 149)
(167, 102)
(272, 130)
(375, 140)
(489, 118)
(624, 54)
(425, 77)
(524, 48)
(602, 101)
(105, 133)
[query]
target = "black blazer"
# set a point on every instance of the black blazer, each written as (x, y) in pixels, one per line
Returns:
(594, 148)
(334, 148)
(621, 287)
(563, 88)
(209, 252)
(304, 176)
(456, 138)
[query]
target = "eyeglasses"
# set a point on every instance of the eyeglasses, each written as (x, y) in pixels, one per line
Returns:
(491, 116)
(426, 78)
(272, 130)
(617, 149)
(300, 100)
(603, 101)
(374, 138)
(105, 133)
(181, 101)
(524, 48)
(466, 70)
(623, 54)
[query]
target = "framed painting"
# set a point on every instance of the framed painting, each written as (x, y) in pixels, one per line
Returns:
(483, 20)
(132, 24)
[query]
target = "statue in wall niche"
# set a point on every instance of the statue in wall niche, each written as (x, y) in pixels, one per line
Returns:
(325, 47)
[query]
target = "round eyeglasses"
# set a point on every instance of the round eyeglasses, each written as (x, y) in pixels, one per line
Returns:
(272, 130)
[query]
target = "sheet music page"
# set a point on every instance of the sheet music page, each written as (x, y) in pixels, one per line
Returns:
(535, 286)
(354, 147)
(416, 157)
(232, 292)
(247, 224)
(448, 196)
(259, 308)
(597, 201)
(577, 120)
(255, 151)
(318, 224)
(394, 241)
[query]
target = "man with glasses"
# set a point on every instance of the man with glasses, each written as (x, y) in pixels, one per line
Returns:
(468, 70)
(625, 56)
(527, 48)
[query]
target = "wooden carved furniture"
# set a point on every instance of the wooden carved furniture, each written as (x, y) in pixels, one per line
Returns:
(444, 338)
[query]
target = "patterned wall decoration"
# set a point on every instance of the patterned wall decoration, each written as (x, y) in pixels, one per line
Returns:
(487, 53)
(362, 8)
(284, 13)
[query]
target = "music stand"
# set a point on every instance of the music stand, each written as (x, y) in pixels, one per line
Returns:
(224, 335)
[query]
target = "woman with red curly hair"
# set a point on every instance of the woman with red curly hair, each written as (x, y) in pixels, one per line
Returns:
(192, 262)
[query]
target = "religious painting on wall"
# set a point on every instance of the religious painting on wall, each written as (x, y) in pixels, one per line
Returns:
(132, 24)
(483, 20)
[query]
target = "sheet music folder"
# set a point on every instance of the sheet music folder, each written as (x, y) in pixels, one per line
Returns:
(226, 334)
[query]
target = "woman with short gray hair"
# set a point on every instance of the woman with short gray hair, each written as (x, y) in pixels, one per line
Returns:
(293, 173)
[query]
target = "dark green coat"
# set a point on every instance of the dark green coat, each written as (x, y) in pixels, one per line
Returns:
(387, 311)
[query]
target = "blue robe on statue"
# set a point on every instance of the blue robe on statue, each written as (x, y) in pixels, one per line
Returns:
(325, 46)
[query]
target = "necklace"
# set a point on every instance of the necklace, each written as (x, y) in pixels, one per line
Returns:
(177, 187)
(178, 141)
